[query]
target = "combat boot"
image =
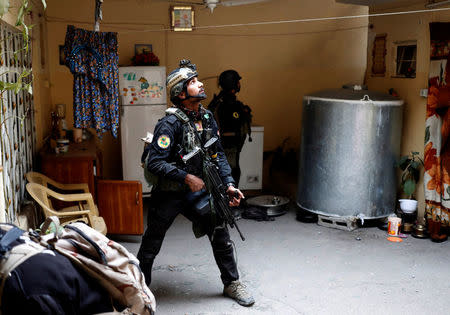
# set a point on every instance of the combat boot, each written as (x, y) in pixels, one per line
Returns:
(236, 290)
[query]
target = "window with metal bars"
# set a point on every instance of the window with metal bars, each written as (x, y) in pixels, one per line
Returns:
(405, 62)
(17, 122)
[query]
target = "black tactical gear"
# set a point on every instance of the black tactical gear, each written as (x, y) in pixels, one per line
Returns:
(174, 138)
(165, 206)
(166, 163)
(234, 120)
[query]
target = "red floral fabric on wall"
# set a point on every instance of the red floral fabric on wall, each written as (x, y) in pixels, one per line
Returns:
(437, 132)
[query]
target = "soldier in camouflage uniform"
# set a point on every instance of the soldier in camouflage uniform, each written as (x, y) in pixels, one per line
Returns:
(175, 135)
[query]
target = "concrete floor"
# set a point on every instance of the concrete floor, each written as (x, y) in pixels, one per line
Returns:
(299, 268)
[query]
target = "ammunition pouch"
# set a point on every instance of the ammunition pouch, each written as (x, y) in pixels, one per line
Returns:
(151, 178)
(199, 201)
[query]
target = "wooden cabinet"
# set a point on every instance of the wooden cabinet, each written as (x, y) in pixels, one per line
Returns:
(79, 165)
(120, 204)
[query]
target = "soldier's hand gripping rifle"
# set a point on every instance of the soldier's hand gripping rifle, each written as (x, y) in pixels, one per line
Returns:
(214, 183)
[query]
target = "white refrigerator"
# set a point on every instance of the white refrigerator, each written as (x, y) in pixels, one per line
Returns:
(251, 161)
(143, 102)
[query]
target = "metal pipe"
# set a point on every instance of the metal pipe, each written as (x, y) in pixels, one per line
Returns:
(436, 4)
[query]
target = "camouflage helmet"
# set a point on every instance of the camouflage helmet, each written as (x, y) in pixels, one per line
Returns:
(228, 80)
(177, 79)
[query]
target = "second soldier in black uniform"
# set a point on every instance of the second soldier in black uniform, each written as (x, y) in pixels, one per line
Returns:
(233, 117)
(178, 134)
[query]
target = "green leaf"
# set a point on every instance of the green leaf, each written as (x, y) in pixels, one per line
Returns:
(26, 30)
(415, 174)
(19, 20)
(409, 187)
(415, 165)
(24, 74)
(10, 86)
(427, 134)
(25, 34)
(404, 162)
(18, 87)
(44, 3)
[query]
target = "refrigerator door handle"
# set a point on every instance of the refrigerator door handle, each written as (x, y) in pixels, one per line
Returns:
(122, 111)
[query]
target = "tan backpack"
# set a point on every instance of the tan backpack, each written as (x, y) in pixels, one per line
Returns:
(116, 269)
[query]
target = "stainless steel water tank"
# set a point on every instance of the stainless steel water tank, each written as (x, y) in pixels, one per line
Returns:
(349, 144)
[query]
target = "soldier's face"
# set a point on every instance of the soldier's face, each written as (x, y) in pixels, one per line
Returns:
(195, 89)
(238, 86)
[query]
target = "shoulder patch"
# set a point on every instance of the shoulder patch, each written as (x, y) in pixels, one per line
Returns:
(163, 141)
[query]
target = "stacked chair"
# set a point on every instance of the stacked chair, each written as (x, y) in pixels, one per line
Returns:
(42, 189)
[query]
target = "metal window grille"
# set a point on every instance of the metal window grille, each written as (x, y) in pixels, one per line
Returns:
(18, 136)
(406, 60)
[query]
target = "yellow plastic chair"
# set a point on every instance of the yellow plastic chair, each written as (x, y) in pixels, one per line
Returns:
(38, 178)
(85, 211)
(35, 177)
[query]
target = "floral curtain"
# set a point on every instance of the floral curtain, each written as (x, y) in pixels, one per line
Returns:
(437, 132)
(93, 59)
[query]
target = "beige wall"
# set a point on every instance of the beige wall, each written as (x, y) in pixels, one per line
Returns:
(399, 28)
(279, 63)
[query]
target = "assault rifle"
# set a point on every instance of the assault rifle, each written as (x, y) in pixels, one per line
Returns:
(214, 183)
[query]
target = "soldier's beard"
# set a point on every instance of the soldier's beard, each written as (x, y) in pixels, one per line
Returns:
(201, 96)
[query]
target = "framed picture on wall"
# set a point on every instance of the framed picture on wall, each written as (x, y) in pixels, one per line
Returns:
(379, 56)
(181, 18)
(142, 49)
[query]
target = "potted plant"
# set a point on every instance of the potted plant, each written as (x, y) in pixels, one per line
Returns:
(410, 166)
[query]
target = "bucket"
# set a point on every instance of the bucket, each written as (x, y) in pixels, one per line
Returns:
(394, 225)
(62, 146)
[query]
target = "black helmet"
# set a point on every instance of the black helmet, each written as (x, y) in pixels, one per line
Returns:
(177, 79)
(228, 80)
